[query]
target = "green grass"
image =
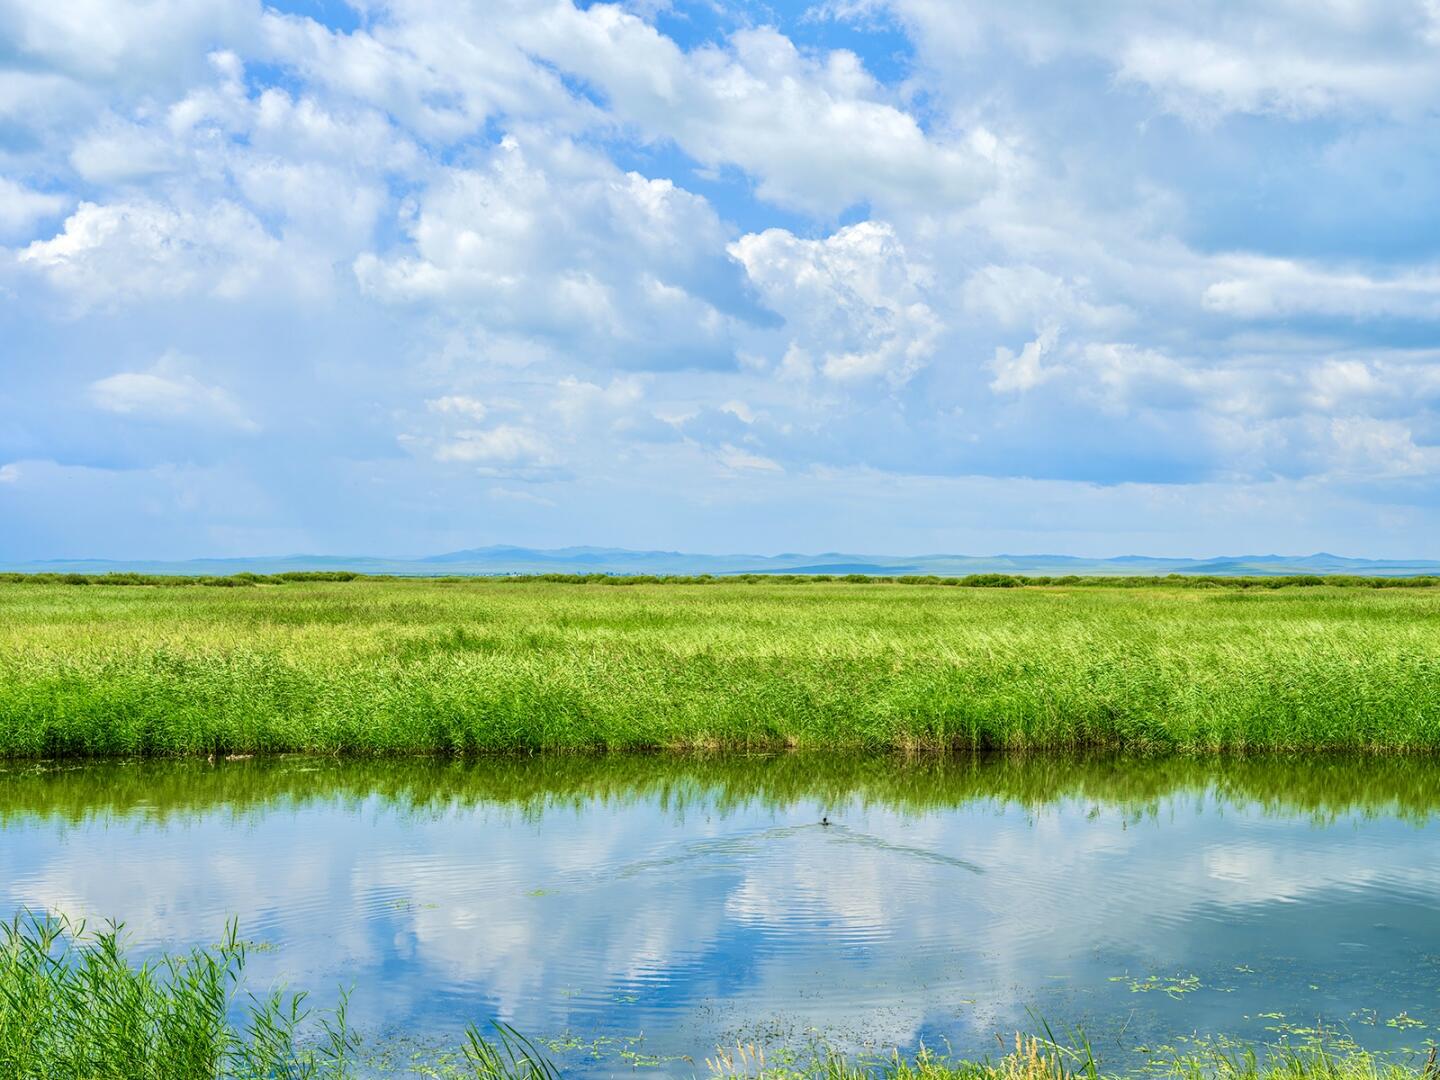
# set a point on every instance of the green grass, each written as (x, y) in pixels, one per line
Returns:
(74, 1007)
(395, 666)
(71, 1006)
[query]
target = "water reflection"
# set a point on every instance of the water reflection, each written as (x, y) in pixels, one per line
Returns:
(699, 901)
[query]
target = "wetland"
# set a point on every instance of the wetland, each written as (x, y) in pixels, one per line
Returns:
(639, 911)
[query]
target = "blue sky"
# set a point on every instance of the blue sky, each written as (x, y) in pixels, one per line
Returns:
(867, 275)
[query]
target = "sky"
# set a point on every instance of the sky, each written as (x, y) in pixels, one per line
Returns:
(890, 276)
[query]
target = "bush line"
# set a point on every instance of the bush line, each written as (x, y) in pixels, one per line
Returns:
(969, 581)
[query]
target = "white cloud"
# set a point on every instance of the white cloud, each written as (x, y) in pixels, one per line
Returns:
(554, 241)
(9, 474)
(137, 250)
(143, 44)
(733, 457)
(1260, 287)
(818, 132)
(118, 153)
(22, 208)
(1206, 59)
(1022, 295)
(1365, 448)
(854, 298)
(1024, 371)
(506, 444)
(575, 401)
(330, 212)
(443, 69)
(459, 405)
(167, 393)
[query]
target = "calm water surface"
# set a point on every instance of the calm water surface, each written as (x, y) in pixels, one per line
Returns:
(643, 910)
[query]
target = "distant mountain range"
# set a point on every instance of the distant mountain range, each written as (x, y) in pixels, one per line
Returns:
(594, 560)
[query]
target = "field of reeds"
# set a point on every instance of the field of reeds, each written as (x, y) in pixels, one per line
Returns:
(406, 666)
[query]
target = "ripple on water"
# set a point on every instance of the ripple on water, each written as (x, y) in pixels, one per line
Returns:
(951, 916)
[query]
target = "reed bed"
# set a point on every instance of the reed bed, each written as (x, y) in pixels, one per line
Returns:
(72, 1006)
(402, 667)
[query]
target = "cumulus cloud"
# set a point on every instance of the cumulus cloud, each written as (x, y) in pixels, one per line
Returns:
(854, 300)
(145, 249)
(585, 245)
(443, 69)
(1024, 371)
(818, 131)
(560, 244)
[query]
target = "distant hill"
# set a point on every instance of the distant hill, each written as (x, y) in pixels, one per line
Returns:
(590, 560)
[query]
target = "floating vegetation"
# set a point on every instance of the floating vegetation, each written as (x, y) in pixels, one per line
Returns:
(1175, 986)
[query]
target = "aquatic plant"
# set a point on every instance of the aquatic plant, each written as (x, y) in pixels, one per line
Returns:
(71, 1005)
(507, 1055)
(397, 667)
(1037, 1057)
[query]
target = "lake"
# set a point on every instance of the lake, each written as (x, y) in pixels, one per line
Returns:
(638, 911)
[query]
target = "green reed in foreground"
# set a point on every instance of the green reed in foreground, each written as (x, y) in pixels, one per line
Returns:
(394, 666)
(72, 1006)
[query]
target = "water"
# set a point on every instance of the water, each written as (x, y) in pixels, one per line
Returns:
(644, 910)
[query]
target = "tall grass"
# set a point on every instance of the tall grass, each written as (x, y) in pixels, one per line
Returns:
(393, 666)
(72, 1006)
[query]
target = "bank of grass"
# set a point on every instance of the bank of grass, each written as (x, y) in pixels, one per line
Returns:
(396, 666)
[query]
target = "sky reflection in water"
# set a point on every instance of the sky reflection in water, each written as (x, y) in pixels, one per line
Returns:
(700, 902)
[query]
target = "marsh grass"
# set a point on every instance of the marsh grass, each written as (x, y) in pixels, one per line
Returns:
(395, 666)
(71, 1005)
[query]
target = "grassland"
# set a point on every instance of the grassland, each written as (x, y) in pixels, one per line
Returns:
(395, 666)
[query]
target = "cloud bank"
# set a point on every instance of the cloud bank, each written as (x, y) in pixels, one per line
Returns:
(875, 274)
